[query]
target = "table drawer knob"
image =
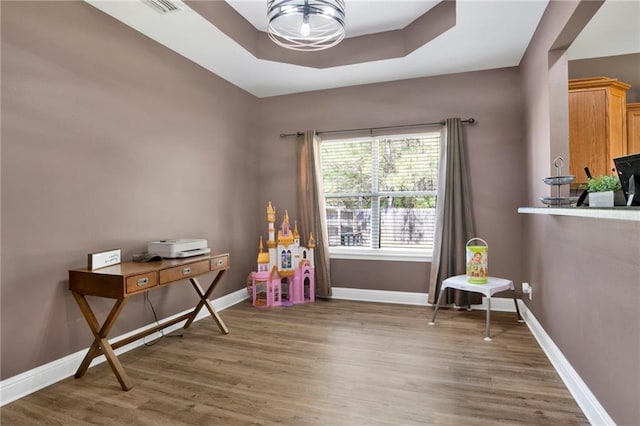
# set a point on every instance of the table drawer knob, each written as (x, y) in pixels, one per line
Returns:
(219, 262)
(142, 281)
(186, 271)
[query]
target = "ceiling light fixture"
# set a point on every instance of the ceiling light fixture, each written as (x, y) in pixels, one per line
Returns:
(306, 25)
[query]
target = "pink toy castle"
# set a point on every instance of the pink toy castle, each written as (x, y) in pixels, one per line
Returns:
(286, 273)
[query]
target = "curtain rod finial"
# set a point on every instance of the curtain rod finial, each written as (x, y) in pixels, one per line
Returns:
(471, 120)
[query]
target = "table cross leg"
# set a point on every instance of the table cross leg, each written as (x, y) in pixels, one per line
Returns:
(204, 301)
(100, 343)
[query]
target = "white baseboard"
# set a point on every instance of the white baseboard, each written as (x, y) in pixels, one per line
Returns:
(409, 298)
(30, 381)
(381, 296)
(590, 406)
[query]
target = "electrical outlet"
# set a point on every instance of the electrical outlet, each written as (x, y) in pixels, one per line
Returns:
(527, 289)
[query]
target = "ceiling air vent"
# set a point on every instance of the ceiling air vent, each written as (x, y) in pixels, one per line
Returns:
(163, 6)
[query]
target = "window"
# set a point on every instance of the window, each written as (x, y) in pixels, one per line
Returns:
(380, 196)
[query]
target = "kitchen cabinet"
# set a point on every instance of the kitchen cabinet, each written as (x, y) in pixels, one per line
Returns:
(597, 125)
(633, 128)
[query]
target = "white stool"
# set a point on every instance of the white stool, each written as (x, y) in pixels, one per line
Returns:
(494, 285)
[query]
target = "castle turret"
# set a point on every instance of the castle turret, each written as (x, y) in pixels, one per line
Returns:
(263, 258)
(296, 235)
(312, 245)
(271, 242)
(271, 213)
(271, 220)
(285, 236)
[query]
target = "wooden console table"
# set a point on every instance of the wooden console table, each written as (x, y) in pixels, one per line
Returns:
(128, 279)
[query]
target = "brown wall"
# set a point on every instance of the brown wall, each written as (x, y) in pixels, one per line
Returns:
(494, 148)
(109, 140)
(625, 68)
(584, 272)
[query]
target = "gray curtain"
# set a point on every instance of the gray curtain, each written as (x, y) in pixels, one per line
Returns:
(311, 210)
(454, 222)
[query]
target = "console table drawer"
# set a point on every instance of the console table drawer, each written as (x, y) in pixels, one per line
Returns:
(183, 271)
(141, 282)
(220, 262)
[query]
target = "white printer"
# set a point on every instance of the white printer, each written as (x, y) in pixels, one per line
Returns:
(172, 249)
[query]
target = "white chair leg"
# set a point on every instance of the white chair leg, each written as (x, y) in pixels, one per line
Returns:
(433, 319)
(488, 336)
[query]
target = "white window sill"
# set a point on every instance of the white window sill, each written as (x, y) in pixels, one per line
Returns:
(392, 255)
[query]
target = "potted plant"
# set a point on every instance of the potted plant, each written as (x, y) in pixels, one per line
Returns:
(601, 190)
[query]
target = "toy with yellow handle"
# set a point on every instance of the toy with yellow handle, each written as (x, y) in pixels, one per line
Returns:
(477, 261)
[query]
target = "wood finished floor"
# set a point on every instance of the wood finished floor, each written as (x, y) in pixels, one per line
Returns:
(328, 363)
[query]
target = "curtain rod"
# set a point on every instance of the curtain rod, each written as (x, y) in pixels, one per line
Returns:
(371, 129)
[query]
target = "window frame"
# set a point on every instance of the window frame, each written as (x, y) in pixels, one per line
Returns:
(387, 254)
